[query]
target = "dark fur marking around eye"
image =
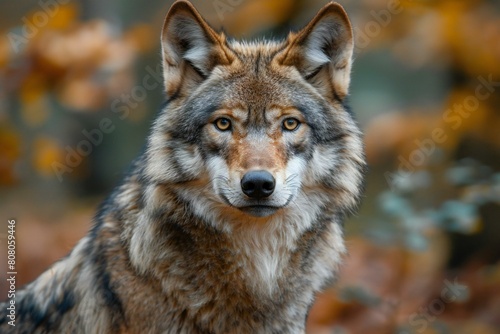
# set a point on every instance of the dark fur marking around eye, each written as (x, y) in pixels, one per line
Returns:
(314, 73)
(191, 121)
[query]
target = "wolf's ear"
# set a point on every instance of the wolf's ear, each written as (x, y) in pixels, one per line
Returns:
(190, 48)
(322, 51)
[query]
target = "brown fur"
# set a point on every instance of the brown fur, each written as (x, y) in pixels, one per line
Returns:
(178, 247)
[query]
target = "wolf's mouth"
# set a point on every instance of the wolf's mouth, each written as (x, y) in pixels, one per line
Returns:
(256, 209)
(260, 210)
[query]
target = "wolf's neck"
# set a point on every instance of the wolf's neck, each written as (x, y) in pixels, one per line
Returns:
(172, 224)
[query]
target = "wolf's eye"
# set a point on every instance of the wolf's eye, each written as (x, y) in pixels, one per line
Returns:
(290, 124)
(223, 124)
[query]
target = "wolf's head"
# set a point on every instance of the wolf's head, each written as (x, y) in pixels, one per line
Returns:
(257, 126)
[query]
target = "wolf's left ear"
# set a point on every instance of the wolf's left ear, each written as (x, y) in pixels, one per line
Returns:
(322, 51)
(191, 49)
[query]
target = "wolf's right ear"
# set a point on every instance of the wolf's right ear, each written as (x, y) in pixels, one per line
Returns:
(191, 49)
(322, 51)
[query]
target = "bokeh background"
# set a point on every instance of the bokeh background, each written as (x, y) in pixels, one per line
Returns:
(423, 251)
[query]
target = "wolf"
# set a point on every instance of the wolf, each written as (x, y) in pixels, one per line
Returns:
(230, 221)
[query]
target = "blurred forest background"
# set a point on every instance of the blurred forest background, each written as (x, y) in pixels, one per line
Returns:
(424, 250)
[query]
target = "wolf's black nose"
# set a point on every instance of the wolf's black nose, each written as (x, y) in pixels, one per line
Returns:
(258, 184)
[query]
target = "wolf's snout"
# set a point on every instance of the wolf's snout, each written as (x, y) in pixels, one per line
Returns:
(258, 184)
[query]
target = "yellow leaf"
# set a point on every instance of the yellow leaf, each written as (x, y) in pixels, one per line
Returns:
(46, 151)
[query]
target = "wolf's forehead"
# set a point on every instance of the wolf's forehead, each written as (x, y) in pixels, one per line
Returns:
(255, 82)
(257, 92)
(256, 50)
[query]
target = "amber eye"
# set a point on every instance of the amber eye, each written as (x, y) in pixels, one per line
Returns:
(223, 124)
(290, 124)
